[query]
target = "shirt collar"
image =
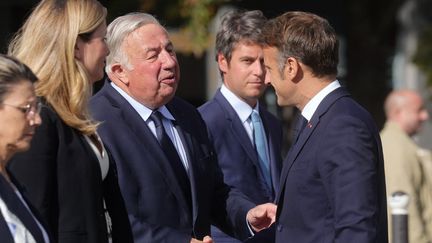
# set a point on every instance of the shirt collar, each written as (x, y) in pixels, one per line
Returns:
(242, 109)
(142, 110)
(313, 104)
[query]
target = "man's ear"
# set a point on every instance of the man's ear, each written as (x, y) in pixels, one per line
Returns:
(120, 73)
(292, 68)
(222, 62)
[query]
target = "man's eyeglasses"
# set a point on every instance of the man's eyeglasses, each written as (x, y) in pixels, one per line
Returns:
(30, 109)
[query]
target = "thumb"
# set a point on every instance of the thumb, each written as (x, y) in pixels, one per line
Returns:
(207, 239)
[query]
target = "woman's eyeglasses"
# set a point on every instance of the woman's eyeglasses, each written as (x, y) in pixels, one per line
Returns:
(30, 110)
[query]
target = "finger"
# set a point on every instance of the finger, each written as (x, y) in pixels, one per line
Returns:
(207, 239)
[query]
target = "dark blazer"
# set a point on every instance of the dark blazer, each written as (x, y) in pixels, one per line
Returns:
(16, 206)
(237, 156)
(61, 177)
(157, 208)
(332, 182)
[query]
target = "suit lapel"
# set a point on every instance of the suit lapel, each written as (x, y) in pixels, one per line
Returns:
(144, 135)
(184, 132)
(306, 133)
(243, 139)
(17, 207)
(237, 128)
(5, 234)
(273, 152)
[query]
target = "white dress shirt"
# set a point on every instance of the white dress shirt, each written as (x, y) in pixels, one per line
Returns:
(170, 129)
(313, 104)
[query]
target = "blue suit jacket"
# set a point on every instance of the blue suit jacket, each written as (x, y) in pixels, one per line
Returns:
(157, 209)
(332, 182)
(237, 157)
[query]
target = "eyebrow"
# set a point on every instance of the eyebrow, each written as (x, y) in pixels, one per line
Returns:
(165, 45)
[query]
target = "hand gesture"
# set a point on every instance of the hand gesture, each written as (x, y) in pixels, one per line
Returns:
(262, 216)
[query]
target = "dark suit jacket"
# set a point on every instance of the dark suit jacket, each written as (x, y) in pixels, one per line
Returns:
(61, 177)
(16, 206)
(5, 234)
(157, 208)
(332, 183)
(237, 157)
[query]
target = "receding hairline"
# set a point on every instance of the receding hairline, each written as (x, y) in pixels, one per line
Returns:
(398, 98)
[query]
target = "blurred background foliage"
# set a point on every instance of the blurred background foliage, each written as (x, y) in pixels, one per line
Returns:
(368, 30)
(423, 55)
(191, 17)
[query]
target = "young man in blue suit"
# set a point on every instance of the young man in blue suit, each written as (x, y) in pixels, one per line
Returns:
(168, 172)
(332, 183)
(229, 114)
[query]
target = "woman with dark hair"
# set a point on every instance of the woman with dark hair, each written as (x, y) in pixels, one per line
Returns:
(19, 117)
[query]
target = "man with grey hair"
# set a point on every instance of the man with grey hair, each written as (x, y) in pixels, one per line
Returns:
(168, 173)
(404, 160)
(246, 137)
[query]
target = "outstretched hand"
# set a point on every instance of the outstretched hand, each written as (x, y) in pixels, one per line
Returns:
(262, 216)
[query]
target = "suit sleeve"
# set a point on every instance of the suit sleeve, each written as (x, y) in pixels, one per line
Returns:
(230, 206)
(34, 170)
(349, 170)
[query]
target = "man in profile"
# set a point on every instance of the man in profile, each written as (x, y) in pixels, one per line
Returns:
(406, 163)
(332, 183)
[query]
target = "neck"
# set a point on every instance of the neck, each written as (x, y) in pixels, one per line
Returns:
(310, 87)
(251, 103)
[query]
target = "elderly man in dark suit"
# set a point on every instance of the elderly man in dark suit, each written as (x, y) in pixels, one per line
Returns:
(168, 172)
(332, 182)
(246, 137)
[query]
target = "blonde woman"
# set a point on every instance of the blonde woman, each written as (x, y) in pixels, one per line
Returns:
(72, 180)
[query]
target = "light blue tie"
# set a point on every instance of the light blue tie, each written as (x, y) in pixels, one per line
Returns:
(260, 146)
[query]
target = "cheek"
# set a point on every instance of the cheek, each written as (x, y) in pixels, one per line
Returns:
(94, 56)
(14, 134)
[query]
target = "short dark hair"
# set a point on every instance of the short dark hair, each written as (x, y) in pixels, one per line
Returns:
(13, 72)
(238, 26)
(306, 37)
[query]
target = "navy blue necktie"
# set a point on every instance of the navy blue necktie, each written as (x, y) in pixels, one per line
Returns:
(301, 124)
(260, 146)
(172, 155)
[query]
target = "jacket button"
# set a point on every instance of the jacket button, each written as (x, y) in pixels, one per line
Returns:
(279, 227)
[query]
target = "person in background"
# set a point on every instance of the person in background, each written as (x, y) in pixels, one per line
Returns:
(332, 182)
(168, 172)
(246, 137)
(19, 118)
(404, 160)
(72, 180)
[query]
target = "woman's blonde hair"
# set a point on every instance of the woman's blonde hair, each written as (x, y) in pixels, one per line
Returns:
(46, 43)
